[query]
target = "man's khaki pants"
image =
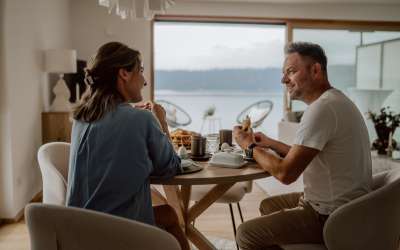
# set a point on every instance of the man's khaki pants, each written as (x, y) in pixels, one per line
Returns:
(286, 219)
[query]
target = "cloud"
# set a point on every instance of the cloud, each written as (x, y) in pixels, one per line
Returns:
(218, 46)
(256, 55)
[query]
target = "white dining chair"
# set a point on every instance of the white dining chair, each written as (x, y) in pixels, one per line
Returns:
(53, 161)
(53, 227)
(369, 222)
(234, 195)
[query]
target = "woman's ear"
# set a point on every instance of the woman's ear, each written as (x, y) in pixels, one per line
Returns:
(123, 74)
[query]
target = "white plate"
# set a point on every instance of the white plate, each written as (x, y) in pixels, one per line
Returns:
(226, 165)
(188, 167)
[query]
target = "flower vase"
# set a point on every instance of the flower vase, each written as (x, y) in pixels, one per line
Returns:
(382, 142)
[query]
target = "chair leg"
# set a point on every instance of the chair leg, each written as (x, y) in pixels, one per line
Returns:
(240, 211)
(233, 223)
(194, 219)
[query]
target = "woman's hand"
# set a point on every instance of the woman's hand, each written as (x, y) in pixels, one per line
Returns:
(160, 113)
(146, 105)
(155, 108)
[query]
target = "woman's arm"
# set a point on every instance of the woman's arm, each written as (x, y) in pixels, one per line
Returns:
(166, 162)
(160, 114)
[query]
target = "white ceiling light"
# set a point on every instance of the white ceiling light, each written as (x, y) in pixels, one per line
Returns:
(144, 9)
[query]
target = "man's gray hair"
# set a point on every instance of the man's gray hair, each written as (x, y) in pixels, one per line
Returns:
(310, 50)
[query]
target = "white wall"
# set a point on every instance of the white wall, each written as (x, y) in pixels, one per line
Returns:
(29, 27)
(92, 27)
(5, 172)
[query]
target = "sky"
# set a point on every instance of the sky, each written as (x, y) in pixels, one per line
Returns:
(194, 46)
(203, 46)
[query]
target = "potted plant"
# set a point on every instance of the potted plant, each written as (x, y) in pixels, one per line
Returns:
(385, 123)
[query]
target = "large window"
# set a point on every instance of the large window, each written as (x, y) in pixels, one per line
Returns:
(202, 66)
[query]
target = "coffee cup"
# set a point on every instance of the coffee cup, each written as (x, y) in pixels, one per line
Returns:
(225, 135)
(198, 147)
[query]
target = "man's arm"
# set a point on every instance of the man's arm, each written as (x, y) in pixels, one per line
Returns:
(286, 169)
(264, 141)
(289, 168)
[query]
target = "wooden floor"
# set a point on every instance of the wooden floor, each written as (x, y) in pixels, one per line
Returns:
(215, 222)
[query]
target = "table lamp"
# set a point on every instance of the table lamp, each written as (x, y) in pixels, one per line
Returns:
(60, 61)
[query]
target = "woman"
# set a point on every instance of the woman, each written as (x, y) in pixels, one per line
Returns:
(115, 146)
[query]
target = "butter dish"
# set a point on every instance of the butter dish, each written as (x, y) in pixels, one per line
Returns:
(227, 159)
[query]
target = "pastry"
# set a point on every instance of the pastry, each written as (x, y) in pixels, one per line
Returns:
(246, 124)
(181, 137)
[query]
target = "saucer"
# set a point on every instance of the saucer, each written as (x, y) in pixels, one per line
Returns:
(204, 157)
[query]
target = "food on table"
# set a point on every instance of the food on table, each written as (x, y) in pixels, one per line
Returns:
(246, 124)
(181, 137)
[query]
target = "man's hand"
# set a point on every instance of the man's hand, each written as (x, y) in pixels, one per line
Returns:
(244, 139)
(262, 140)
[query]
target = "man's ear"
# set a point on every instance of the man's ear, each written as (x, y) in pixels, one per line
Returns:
(316, 70)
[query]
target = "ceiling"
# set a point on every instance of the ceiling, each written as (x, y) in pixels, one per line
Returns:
(308, 1)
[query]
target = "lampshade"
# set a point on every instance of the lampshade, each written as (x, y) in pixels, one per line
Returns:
(60, 61)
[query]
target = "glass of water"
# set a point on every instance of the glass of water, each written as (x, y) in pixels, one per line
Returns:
(212, 143)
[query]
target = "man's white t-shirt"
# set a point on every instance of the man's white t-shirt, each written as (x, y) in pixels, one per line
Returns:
(341, 171)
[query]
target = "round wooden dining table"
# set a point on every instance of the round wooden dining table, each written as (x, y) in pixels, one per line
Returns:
(178, 189)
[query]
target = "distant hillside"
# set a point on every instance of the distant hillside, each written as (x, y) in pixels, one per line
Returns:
(229, 79)
(266, 80)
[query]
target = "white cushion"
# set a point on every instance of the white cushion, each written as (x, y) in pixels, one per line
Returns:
(233, 195)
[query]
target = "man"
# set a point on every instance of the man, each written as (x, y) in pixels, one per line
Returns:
(331, 149)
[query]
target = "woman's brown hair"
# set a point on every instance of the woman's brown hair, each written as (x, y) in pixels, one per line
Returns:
(101, 95)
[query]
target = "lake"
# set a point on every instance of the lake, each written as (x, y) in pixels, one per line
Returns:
(228, 105)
